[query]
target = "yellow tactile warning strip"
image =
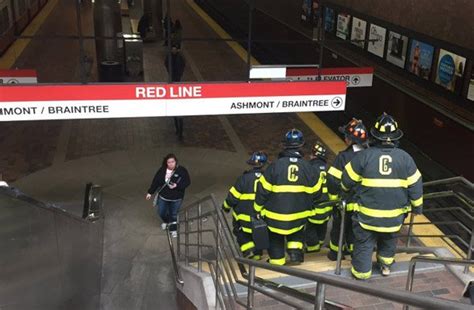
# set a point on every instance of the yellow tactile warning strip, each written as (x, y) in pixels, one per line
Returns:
(16, 49)
(315, 262)
(328, 136)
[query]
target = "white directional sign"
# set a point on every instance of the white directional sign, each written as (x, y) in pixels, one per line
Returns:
(354, 77)
(23, 103)
(18, 77)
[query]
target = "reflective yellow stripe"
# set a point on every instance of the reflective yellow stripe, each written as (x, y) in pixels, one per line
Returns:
(351, 248)
(354, 176)
(294, 245)
(286, 217)
(247, 230)
(333, 197)
(335, 172)
(226, 205)
(285, 231)
(351, 206)
(235, 215)
(256, 257)
(247, 246)
(265, 183)
(242, 217)
(418, 202)
(235, 192)
(361, 275)
(247, 197)
(277, 261)
(333, 247)
(257, 207)
(414, 178)
(313, 248)
(313, 221)
(344, 188)
(384, 183)
(325, 190)
(322, 211)
(381, 213)
(381, 229)
(385, 260)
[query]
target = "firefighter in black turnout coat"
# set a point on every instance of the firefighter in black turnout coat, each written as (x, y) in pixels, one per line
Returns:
(317, 223)
(387, 186)
(355, 137)
(240, 200)
(285, 197)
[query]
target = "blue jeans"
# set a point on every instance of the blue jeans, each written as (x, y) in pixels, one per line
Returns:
(168, 211)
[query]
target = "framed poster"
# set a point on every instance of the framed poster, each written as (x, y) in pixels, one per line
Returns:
(470, 92)
(378, 34)
(420, 59)
(397, 49)
(359, 29)
(329, 19)
(450, 70)
(343, 21)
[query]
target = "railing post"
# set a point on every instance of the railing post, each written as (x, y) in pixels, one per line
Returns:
(250, 291)
(186, 238)
(178, 240)
(320, 296)
(410, 277)
(469, 251)
(410, 229)
(199, 237)
(341, 238)
(218, 282)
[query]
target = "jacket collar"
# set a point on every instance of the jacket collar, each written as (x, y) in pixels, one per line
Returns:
(291, 153)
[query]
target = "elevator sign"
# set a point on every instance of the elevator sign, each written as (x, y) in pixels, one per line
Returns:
(47, 102)
(18, 77)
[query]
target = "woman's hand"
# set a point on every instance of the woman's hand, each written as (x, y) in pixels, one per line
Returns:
(172, 185)
(148, 197)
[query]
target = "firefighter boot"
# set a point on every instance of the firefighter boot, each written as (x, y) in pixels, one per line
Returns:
(296, 257)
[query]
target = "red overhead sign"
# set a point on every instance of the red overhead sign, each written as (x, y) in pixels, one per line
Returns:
(47, 102)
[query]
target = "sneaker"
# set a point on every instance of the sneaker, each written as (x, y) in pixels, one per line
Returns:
(385, 270)
(163, 226)
(174, 234)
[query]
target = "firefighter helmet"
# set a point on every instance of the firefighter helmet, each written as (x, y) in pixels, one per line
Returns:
(257, 159)
(355, 131)
(319, 150)
(293, 139)
(386, 129)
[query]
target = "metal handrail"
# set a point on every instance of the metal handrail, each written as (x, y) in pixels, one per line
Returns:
(177, 275)
(397, 296)
(434, 260)
(449, 181)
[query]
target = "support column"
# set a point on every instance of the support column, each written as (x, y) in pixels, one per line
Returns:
(155, 9)
(108, 23)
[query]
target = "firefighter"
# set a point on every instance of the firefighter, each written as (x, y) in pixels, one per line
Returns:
(285, 196)
(355, 137)
(317, 223)
(388, 186)
(241, 198)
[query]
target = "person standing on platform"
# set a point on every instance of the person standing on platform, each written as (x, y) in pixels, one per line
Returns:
(177, 34)
(240, 200)
(356, 138)
(169, 184)
(175, 64)
(284, 199)
(317, 226)
(388, 186)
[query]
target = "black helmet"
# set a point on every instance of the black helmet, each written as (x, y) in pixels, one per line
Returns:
(293, 139)
(355, 131)
(319, 150)
(386, 129)
(257, 159)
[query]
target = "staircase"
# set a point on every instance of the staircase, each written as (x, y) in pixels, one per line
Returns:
(208, 262)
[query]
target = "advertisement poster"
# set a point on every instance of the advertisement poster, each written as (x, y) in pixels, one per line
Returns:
(470, 93)
(343, 21)
(378, 34)
(450, 71)
(420, 59)
(359, 28)
(306, 10)
(329, 19)
(397, 49)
